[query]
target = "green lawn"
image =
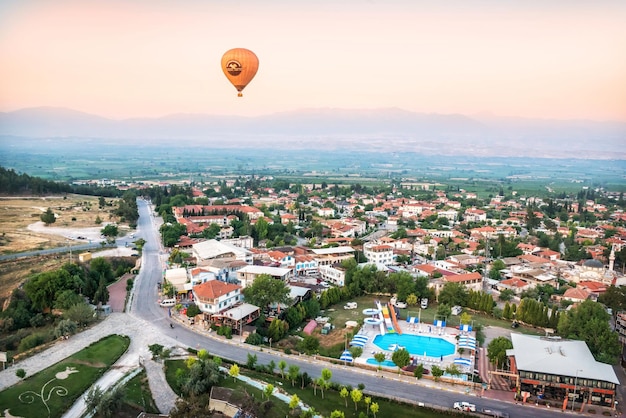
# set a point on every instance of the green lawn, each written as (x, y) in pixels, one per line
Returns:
(137, 393)
(52, 391)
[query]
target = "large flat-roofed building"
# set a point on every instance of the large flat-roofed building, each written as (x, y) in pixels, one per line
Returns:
(561, 369)
(332, 255)
(248, 274)
(213, 249)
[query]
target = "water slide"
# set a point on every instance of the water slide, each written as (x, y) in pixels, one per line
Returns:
(382, 324)
(394, 320)
(387, 318)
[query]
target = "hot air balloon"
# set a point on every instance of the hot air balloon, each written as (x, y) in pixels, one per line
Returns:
(239, 66)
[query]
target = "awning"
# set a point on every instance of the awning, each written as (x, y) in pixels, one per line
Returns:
(346, 356)
(463, 361)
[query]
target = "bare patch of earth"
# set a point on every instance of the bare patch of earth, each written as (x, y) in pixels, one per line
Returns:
(21, 230)
(76, 219)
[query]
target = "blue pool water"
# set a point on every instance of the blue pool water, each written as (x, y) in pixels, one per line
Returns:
(417, 345)
(386, 363)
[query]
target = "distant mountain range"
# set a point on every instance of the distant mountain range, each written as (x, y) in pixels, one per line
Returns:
(376, 130)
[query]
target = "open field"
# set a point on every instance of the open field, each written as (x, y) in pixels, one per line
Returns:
(21, 228)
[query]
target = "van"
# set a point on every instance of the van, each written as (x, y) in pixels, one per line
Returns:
(424, 303)
(166, 303)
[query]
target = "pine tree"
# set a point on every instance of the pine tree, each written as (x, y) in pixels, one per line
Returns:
(506, 313)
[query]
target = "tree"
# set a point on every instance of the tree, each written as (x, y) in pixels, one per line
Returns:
(356, 396)
(294, 402)
(310, 344)
(269, 389)
(344, 394)
(589, 322)
(201, 377)
(368, 402)
(193, 310)
(292, 374)
(48, 217)
(453, 294)
(496, 350)
(93, 397)
(234, 372)
(110, 231)
(101, 297)
(65, 327)
(614, 297)
(437, 372)
(380, 358)
(80, 313)
(66, 299)
(266, 290)
(419, 371)
(110, 403)
(43, 288)
(374, 408)
(156, 350)
(453, 370)
(282, 364)
(277, 329)
(405, 284)
(411, 300)
(401, 358)
(325, 382)
(337, 414)
(466, 318)
(251, 362)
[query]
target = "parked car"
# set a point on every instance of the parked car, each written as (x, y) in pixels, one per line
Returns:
(424, 303)
(401, 305)
(465, 406)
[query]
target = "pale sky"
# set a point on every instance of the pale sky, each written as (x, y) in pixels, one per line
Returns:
(559, 59)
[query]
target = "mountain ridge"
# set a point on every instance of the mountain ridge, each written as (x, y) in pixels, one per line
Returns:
(333, 128)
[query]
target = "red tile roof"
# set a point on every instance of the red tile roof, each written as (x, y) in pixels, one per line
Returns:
(213, 289)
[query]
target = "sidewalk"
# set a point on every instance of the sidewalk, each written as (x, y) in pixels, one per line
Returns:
(142, 335)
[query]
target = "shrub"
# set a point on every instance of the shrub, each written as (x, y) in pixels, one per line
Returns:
(254, 339)
(21, 373)
(32, 341)
(287, 350)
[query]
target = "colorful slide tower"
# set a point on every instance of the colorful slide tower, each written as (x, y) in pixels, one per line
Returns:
(394, 320)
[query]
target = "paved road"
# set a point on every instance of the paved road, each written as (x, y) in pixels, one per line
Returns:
(147, 324)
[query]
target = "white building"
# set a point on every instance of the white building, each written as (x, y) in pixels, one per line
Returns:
(214, 296)
(332, 255)
(213, 249)
(248, 274)
(333, 274)
(378, 254)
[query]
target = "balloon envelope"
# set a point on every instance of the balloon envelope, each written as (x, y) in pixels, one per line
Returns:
(240, 66)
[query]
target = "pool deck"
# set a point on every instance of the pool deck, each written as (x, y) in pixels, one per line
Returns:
(447, 334)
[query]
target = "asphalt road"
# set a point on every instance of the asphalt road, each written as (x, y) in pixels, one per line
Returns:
(144, 306)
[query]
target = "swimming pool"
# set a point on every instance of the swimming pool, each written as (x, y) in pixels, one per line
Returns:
(417, 345)
(386, 363)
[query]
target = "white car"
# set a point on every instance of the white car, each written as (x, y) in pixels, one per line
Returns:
(465, 406)
(401, 305)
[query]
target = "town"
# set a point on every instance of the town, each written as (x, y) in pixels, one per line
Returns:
(362, 275)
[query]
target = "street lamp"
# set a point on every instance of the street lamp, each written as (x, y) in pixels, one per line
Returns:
(575, 384)
(240, 326)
